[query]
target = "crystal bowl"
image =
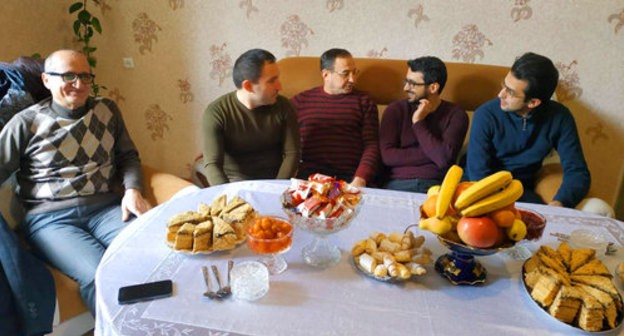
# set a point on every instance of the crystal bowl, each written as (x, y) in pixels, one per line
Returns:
(321, 253)
(270, 243)
(322, 226)
(270, 236)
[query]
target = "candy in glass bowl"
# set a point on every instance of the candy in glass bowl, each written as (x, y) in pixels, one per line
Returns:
(321, 205)
(270, 236)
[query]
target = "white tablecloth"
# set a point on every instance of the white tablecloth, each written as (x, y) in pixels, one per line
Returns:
(335, 301)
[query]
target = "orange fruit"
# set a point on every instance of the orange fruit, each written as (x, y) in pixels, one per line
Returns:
(461, 187)
(429, 206)
(503, 217)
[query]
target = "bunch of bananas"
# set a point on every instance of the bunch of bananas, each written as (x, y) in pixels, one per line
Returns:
(493, 197)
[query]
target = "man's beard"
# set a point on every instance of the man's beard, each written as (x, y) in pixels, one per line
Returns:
(415, 99)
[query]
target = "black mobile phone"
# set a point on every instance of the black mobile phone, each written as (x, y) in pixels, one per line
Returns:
(145, 292)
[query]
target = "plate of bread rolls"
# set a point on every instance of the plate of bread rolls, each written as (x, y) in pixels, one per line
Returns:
(393, 257)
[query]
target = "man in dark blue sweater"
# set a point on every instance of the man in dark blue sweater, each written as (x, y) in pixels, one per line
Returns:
(519, 128)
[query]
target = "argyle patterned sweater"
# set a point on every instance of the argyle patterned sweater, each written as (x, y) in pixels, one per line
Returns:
(64, 158)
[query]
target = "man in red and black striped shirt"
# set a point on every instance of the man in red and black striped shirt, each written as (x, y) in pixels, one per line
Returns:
(338, 124)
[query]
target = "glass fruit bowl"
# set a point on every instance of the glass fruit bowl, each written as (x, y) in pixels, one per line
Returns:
(460, 266)
(320, 253)
(270, 236)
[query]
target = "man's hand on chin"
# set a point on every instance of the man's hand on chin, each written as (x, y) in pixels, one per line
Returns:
(133, 203)
(422, 111)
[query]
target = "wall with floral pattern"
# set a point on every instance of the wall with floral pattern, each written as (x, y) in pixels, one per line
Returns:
(184, 50)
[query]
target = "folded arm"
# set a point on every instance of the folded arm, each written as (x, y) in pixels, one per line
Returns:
(370, 138)
(213, 148)
(576, 177)
(292, 145)
(128, 165)
(481, 158)
(392, 154)
(442, 148)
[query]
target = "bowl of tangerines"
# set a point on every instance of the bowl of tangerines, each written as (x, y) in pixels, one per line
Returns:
(270, 236)
(476, 218)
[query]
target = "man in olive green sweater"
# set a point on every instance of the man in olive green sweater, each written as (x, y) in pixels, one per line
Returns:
(251, 133)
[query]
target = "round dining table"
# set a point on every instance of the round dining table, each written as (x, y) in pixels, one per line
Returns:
(338, 300)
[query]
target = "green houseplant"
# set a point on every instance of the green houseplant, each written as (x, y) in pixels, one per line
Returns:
(85, 26)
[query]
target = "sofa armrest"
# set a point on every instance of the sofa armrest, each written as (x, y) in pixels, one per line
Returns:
(548, 181)
(160, 187)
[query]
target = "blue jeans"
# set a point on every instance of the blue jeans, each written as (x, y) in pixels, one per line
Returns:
(74, 240)
(413, 185)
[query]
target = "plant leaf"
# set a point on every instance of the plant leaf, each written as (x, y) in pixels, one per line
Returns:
(96, 24)
(74, 7)
(77, 27)
(84, 17)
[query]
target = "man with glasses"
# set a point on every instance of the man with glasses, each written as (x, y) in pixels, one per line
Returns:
(421, 136)
(519, 128)
(68, 153)
(338, 124)
(251, 133)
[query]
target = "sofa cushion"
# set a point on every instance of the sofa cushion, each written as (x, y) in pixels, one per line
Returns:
(68, 295)
(468, 85)
(10, 206)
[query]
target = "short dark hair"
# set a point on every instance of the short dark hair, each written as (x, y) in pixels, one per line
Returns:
(540, 73)
(432, 68)
(329, 57)
(249, 66)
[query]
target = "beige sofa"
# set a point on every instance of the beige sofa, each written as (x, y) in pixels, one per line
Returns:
(73, 317)
(469, 85)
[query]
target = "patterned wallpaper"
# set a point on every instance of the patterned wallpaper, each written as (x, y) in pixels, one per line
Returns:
(183, 51)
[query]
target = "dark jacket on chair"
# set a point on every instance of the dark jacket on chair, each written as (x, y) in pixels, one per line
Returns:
(20, 86)
(27, 293)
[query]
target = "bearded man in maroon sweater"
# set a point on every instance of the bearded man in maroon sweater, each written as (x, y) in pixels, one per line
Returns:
(421, 136)
(338, 124)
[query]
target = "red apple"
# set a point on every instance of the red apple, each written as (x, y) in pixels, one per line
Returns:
(479, 232)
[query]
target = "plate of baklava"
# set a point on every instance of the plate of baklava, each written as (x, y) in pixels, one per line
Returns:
(219, 226)
(573, 287)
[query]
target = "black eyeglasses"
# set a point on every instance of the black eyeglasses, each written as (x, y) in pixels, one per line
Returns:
(411, 83)
(509, 92)
(347, 73)
(71, 77)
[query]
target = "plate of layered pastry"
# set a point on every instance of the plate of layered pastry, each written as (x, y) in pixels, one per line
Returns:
(393, 257)
(574, 288)
(219, 226)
